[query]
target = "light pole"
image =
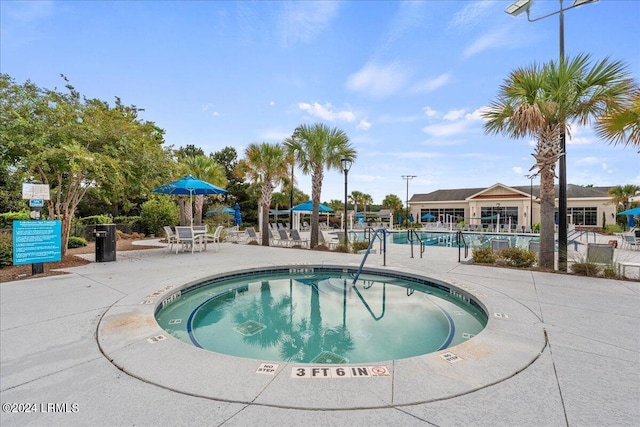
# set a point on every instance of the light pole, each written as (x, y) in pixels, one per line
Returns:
(531, 198)
(346, 165)
(516, 9)
(408, 178)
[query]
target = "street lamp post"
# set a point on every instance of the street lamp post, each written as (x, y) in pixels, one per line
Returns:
(346, 165)
(516, 9)
(408, 178)
(533, 175)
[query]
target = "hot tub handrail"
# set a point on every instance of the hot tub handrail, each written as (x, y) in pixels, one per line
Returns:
(384, 251)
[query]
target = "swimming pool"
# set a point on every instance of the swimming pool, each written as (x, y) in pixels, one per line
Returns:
(314, 315)
(449, 238)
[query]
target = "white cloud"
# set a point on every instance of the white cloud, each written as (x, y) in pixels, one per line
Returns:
(326, 112)
(304, 21)
(431, 84)
(430, 112)
(272, 103)
(588, 161)
(379, 81)
(518, 170)
(470, 14)
(497, 38)
(364, 125)
(446, 129)
(454, 115)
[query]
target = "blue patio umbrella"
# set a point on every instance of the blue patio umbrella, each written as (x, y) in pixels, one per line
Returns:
(399, 218)
(237, 216)
(632, 222)
(308, 207)
(221, 210)
(632, 212)
(428, 216)
(411, 219)
(189, 185)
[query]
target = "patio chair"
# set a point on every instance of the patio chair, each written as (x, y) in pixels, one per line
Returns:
(498, 244)
(187, 239)
(630, 241)
(283, 237)
(251, 235)
(600, 253)
(296, 239)
(171, 238)
(329, 243)
(213, 238)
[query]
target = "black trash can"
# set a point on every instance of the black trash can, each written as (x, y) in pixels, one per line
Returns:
(105, 235)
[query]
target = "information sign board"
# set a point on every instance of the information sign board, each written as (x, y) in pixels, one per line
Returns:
(35, 191)
(37, 241)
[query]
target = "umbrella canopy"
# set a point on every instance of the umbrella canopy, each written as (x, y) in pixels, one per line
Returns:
(411, 219)
(632, 212)
(632, 222)
(189, 185)
(308, 207)
(428, 216)
(222, 210)
(237, 216)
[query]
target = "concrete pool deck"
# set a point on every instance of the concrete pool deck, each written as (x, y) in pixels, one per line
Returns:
(567, 354)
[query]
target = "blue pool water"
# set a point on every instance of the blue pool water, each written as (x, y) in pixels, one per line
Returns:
(449, 239)
(315, 315)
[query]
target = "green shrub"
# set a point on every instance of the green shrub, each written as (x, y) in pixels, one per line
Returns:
(76, 242)
(516, 257)
(584, 268)
(6, 219)
(613, 228)
(359, 246)
(96, 219)
(6, 250)
(126, 220)
(609, 271)
(158, 212)
(483, 255)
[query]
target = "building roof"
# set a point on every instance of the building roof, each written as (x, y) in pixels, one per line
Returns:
(573, 192)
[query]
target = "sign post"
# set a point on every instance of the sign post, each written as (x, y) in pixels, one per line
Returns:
(36, 193)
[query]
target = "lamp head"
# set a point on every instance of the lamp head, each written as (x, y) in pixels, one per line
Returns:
(346, 164)
(520, 7)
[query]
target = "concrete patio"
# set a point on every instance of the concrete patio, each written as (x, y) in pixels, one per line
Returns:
(567, 354)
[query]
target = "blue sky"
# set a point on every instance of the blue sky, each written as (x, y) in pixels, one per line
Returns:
(405, 80)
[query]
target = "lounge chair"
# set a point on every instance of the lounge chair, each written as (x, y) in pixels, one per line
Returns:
(283, 237)
(331, 244)
(187, 239)
(297, 240)
(171, 238)
(251, 235)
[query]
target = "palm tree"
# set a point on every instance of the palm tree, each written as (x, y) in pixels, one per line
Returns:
(366, 199)
(622, 125)
(355, 197)
(538, 101)
(392, 202)
(314, 148)
(265, 164)
(206, 169)
(620, 195)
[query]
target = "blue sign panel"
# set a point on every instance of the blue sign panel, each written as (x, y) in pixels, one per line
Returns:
(36, 203)
(37, 241)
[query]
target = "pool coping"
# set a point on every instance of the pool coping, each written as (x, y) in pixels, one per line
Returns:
(129, 336)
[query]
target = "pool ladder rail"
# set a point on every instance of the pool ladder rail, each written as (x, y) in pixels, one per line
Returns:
(383, 239)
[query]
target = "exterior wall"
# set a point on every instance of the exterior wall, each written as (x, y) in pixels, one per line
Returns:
(528, 209)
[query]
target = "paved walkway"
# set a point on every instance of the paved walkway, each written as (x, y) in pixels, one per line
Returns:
(568, 353)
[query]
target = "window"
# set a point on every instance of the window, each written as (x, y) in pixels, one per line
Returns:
(443, 214)
(584, 216)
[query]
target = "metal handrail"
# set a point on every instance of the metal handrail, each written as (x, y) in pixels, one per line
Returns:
(460, 237)
(366, 254)
(410, 232)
